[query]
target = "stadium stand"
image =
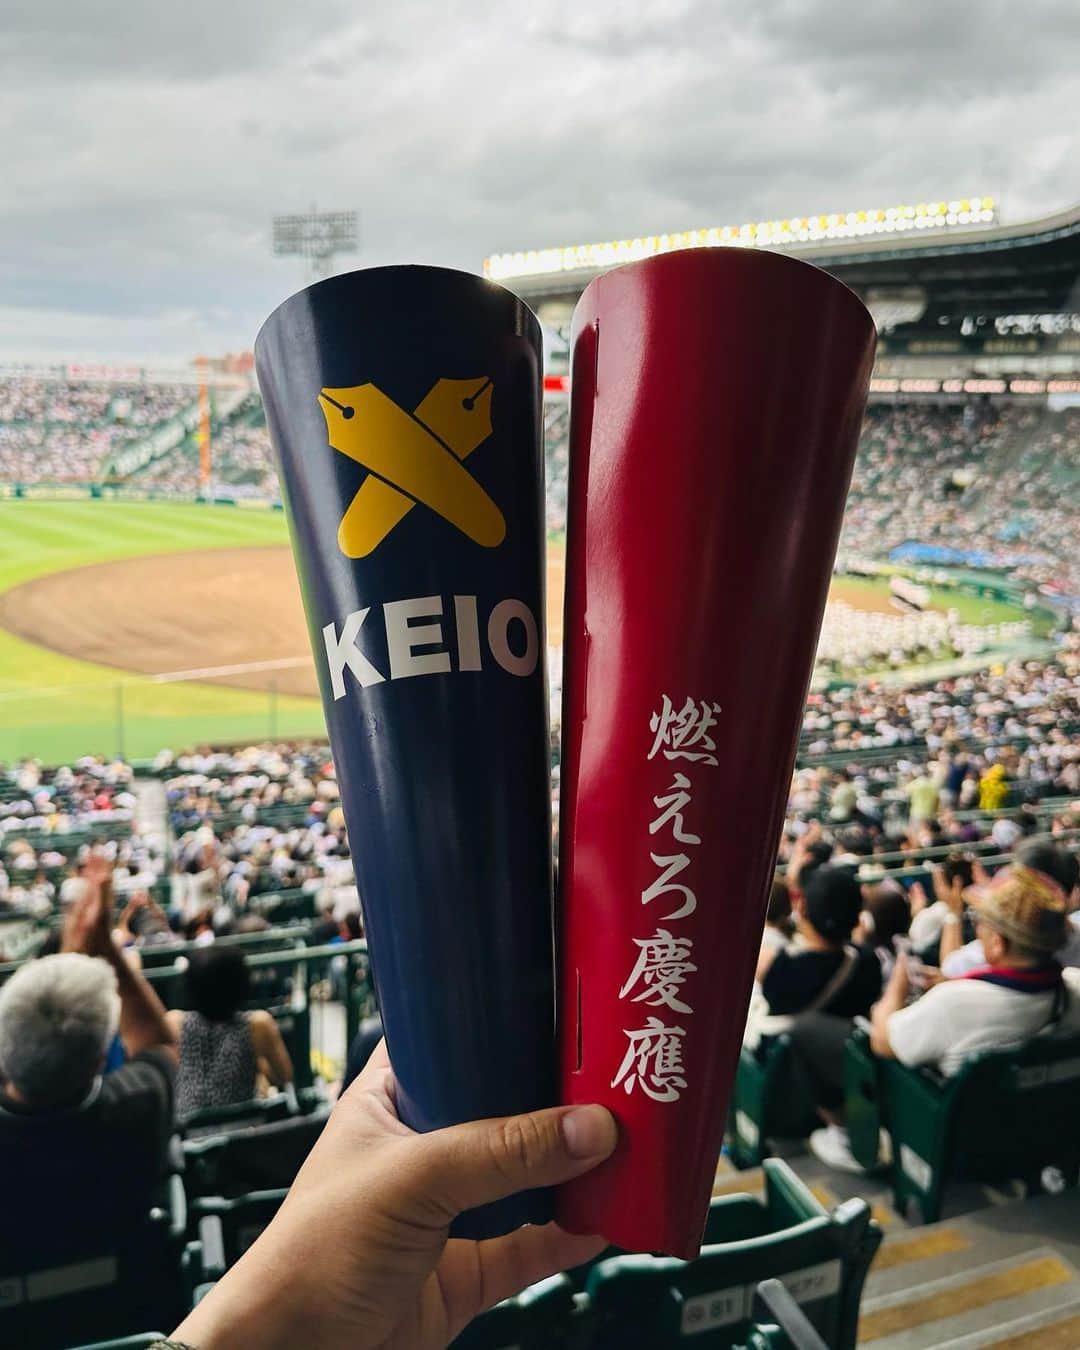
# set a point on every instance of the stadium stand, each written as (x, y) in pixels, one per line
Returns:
(66, 430)
(242, 465)
(269, 816)
(930, 473)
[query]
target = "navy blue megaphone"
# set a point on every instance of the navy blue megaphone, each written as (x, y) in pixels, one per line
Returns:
(404, 405)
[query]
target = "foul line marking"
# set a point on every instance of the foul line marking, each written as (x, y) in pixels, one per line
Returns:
(174, 676)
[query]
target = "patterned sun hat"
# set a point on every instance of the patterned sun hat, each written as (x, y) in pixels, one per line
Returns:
(1024, 906)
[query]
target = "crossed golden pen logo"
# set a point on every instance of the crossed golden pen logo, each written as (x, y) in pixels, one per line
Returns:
(413, 457)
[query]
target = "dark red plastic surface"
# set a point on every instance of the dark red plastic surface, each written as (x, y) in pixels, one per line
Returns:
(716, 402)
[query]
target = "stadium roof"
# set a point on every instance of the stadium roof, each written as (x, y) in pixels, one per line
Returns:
(991, 270)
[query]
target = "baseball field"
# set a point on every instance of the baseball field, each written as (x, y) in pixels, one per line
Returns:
(127, 626)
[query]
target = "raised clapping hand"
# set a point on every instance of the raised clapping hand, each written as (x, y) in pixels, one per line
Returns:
(87, 925)
(358, 1255)
(918, 897)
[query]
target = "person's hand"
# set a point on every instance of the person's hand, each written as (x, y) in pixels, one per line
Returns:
(900, 980)
(87, 922)
(358, 1255)
(979, 875)
(98, 871)
(800, 853)
(123, 924)
(918, 897)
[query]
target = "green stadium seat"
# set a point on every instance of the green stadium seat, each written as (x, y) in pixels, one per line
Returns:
(768, 1101)
(264, 1157)
(257, 1111)
(227, 1227)
(822, 1258)
(542, 1316)
(281, 907)
(113, 1288)
(1005, 1115)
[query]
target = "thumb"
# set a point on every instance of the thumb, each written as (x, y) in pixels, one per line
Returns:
(474, 1164)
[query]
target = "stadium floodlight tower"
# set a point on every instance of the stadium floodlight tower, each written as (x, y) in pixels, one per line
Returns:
(317, 236)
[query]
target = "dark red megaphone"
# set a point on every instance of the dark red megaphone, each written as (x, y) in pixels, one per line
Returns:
(716, 402)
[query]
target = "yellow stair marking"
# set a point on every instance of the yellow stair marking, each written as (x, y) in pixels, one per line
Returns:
(882, 1215)
(740, 1183)
(1064, 1335)
(920, 1248)
(1025, 1278)
(823, 1196)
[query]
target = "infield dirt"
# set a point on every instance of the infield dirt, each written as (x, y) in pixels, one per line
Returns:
(192, 611)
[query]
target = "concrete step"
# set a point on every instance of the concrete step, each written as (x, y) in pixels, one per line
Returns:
(1056, 1329)
(983, 1299)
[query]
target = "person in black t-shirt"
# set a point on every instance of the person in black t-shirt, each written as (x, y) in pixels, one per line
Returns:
(82, 1152)
(822, 972)
(814, 988)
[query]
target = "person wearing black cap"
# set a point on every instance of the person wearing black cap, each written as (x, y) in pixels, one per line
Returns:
(822, 971)
(814, 988)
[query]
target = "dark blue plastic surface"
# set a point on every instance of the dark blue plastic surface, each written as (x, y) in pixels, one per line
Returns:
(444, 774)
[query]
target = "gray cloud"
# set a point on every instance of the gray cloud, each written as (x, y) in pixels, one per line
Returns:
(144, 148)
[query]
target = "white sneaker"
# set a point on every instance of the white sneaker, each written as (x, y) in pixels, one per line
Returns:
(832, 1147)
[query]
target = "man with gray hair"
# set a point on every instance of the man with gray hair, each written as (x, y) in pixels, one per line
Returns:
(82, 1151)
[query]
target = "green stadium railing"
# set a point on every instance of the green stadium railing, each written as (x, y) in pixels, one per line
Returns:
(67, 842)
(284, 973)
(293, 973)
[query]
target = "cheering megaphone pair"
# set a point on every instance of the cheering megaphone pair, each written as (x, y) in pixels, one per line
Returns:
(716, 400)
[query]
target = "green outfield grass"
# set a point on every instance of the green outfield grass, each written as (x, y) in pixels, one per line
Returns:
(55, 707)
(973, 609)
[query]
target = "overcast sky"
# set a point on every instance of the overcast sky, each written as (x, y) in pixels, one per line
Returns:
(145, 144)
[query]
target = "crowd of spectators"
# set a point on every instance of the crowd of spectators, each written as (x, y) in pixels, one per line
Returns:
(257, 821)
(66, 430)
(47, 820)
(855, 640)
(938, 476)
(947, 954)
(241, 460)
(933, 475)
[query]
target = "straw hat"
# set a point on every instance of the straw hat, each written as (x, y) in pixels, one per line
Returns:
(1024, 906)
